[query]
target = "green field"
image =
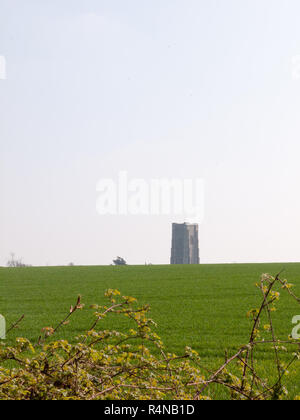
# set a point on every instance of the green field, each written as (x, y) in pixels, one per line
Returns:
(203, 307)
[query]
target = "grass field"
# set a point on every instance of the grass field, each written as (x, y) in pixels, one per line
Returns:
(203, 307)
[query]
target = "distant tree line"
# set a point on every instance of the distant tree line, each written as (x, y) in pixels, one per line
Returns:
(119, 261)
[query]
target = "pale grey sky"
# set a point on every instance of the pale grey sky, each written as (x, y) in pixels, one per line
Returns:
(161, 89)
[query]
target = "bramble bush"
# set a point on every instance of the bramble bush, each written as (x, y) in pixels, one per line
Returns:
(113, 365)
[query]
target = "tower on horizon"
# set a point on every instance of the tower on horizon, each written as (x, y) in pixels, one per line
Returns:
(185, 244)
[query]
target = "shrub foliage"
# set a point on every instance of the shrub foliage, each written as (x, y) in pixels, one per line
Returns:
(113, 365)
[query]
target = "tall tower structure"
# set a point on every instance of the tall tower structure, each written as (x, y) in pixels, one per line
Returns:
(185, 244)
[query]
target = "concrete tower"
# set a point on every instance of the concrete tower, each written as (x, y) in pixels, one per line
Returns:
(185, 244)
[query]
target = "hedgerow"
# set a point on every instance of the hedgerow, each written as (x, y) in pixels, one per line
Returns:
(112, 365)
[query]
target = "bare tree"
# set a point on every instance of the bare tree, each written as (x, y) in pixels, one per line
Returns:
(15, 262)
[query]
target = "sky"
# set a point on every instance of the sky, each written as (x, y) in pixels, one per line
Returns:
(198, 90)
